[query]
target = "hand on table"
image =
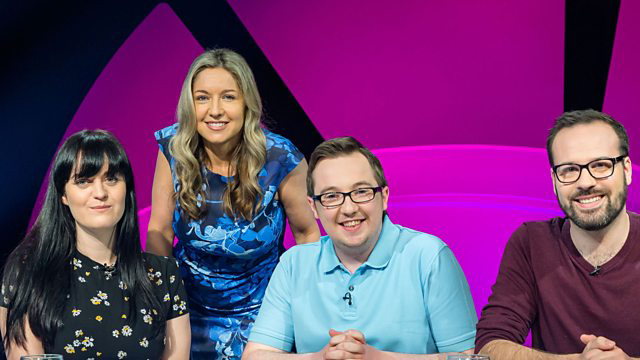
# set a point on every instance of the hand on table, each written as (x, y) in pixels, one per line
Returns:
(600, 348)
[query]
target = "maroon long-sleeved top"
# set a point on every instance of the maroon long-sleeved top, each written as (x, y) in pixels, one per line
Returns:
(544, 284)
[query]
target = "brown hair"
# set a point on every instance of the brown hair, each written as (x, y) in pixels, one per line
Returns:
(577, 117)
(334, 148)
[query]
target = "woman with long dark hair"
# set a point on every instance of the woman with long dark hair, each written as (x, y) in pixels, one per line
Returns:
(224, 186)
(79, 284)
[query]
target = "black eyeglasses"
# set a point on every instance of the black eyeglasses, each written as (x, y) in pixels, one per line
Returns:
(598, 169)
(336, 198)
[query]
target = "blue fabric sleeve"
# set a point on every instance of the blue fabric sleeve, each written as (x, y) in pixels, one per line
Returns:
(163, 137)
(274, 324)
(448, 301)
(282, 156)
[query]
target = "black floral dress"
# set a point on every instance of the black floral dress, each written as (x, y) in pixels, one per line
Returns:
(97, 324)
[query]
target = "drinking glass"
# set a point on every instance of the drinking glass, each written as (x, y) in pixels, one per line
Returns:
(467, 357)
(42, 357)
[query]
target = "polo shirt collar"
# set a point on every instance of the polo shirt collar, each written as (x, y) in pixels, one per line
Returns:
(381, 254)
(379, 257)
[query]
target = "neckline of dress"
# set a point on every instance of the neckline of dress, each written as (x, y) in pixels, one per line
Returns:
(112, 269)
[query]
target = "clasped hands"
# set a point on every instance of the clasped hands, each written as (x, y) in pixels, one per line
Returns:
(600, 348)
(349, 344)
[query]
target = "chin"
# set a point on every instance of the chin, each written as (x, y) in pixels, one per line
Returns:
(354, 244)
(103, 226)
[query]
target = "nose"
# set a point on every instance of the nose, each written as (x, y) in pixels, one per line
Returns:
(348, 207)
(586, 181)
(216, 110)
(99, 190)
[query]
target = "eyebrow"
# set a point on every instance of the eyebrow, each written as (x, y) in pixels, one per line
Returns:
(223, 91)
(354, 186)
(596, 159)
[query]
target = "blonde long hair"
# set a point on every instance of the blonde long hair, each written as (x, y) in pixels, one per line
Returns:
(243, 194)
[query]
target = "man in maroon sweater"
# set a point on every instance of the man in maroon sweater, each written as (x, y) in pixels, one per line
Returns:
(573, 281)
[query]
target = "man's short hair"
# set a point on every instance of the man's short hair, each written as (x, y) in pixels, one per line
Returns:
(577, 117)
(342, 146)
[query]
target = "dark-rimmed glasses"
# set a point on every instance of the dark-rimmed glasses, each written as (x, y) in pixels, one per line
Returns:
(598, 169)
(336, 198)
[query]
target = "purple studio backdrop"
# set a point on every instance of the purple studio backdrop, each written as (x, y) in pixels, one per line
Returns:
(441, 91)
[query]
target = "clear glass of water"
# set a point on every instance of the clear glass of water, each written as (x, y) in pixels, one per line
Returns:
(42, 357)
(467, 357)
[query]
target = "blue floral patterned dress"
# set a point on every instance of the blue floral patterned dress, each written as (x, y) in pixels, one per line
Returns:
(226, 264)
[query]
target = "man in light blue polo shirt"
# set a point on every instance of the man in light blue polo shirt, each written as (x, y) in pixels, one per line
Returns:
(370, 289)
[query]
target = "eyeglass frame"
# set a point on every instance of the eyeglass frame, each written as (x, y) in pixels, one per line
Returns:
(376, 189)
(615, 161)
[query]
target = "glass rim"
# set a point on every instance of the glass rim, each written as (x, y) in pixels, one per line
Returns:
(614, 161)
(375, 190)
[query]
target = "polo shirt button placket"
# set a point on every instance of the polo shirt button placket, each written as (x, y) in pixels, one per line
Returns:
(349, 306)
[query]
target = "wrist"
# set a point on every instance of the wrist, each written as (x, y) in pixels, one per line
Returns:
(568, 357)
(375, 354)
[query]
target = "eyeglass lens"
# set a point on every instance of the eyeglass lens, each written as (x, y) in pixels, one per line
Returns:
(337, 198)
(598, 169)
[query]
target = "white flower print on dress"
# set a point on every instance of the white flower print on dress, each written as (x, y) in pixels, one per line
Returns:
(183, 307)
(122, 354)
(88, 341)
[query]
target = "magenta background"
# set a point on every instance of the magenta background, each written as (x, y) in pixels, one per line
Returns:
(418, 72)
(442, 91)
(622, 95)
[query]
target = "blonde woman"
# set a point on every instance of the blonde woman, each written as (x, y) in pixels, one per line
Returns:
(223, 186)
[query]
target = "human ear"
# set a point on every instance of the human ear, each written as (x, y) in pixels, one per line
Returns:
(312, 205)
(627, 169)
(385, 197)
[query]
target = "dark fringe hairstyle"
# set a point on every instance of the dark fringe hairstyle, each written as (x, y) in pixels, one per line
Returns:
(40, 267)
